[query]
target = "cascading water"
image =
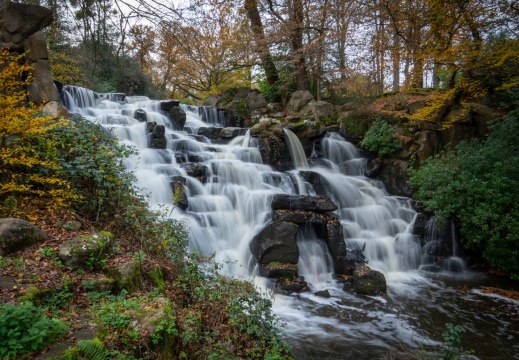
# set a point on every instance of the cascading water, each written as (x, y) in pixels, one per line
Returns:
(229, 195)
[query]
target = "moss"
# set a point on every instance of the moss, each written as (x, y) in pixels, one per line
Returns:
(32, 294)
(156, 276)
(127, 276)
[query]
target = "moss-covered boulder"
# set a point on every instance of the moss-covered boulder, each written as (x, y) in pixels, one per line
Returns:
(34, 295)
(103, 285)
(368, 282)
(17, 234)
(156, 276)
(85, 250)
(127, 276)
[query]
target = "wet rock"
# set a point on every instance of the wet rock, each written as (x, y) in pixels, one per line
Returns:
(308, 129)
(300, 217)
(158, 135)
(303, 202)
(17, 234)
(115, 97)
(178, 184)
(344, 265)
(289, 286)
(373, 168)
(79, 251)
(320, 184)
(395, 176)
(166, 105)
(275, 270)
(196, 170)
(255, 101)
(276, 243)
(298, 101)
(177, 116)
(212, 133)
(323, 293)
(140, 115)
(368, 282)
(232, 132)
(127, 276)
(335, 238)
(59, 85)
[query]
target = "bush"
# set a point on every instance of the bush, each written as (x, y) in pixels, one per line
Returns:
(24, 329)
(477, 184)
(381, 138)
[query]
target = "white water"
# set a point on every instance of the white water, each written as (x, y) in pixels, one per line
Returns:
(234, 204)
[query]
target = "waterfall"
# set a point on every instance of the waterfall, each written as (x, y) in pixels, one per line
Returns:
(296, 150)
(230, 190)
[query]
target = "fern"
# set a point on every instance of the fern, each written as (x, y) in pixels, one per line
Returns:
(93, 350)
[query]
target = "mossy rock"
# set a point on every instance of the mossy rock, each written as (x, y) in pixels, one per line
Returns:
(156, 276)
(85, 250)
(127, 276)
(34, 295)
(17, 234)
(103, 285)
(368, 282)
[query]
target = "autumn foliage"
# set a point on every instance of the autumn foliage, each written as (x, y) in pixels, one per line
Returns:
(28, 166)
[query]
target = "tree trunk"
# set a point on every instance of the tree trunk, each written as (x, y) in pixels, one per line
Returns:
(396, 63)
(259, 37)
(296, 24)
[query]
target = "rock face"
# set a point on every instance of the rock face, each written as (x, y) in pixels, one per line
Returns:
(298, 101)
(276, 243)
(140, 115)
(255, 101)
(42, 85)
(21, 21)
(368, 282)
(17, 234)
(212, 100)
(303, 202)
(157, 135)
(77, 252)
(396, 103)
(278, 271)
(127, 276)
(177, 117)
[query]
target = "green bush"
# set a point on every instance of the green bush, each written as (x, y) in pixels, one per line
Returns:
(25, 329)
(477, 184)
(91, 159)
(380, 138)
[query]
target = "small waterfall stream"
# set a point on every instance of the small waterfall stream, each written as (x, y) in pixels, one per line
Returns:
(229, 202)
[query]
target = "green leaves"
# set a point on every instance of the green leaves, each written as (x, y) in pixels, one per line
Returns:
(380, 138)
(477, 184)
(24, 328)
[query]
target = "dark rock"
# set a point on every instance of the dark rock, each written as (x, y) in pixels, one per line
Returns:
(373, 169)
(320, 184)
(166, 105)
(276, 243)
(178, 183)
(196, 170)
(157, 136)
(335, 238)
(278, 271)
(78, 251)
(140, 115)
(242, 92)
(300, 217)
(344, 265)
(232, 132)
(290, 286)
(255, 101)
(419, 224)
(177, 117)
(428, 145)
(59, 85)
(395, 177)
(303, 202)
(323, 293)
(212, 133)
(368, 282)
(415, 106)
(115, 97)
(17, 234)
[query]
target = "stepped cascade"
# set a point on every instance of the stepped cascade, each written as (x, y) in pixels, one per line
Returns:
(228, 201)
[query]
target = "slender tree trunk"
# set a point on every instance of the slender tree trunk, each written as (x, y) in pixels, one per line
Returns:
(259, 37)
(296, 22)
(396, 63)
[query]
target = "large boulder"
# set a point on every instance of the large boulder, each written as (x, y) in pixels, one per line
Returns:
(177, 117)
(212, 100)
(36, 46)
(17, 234)
(127, 276)
(55, 109)
(368, 282)
(287, 286)
(42, 86)
(212, 133)
(166, 105)
(298, 101)
(396, 103)
(415, 106)
(395, 176)
(19, 21)
(276, 243)
(196, 170)
(428, 144)
(140, 115)
(278, 270)
(82, 250)
(318, 109)
(303, 202)
(255, 100)
(308, 129)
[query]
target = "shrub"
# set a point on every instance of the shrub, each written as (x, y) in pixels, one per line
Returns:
(380, 138)
(25, 329)
(477, 184)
